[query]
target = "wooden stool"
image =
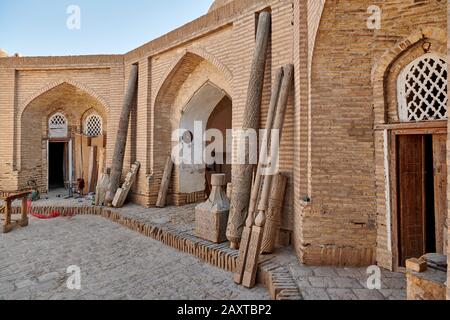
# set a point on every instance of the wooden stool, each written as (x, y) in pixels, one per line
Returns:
(8, 222)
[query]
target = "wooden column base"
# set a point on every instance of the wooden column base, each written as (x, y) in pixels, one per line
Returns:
(23, 222)
(6, 229)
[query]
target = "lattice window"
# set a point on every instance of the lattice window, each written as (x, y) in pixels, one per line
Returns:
(58, 126)
(93, 126)
(422, 88)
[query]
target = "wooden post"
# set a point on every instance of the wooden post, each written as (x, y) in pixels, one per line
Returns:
(264, 145)
(248, 257)
(165, 183)
(24, 218)
(254, 249)
(240, 264)
(78, 156)
(124, 190)
(242, 174)
(93, 169)
(7, 223)
(86, 142)
(121, 139)
(278, 125)
(273, 216)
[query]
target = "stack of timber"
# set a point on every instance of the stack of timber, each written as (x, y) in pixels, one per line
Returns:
(268, 189)
(122, 192)
(89, 160)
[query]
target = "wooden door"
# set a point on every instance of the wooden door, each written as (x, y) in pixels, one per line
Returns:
(440, 187)
(411, 198)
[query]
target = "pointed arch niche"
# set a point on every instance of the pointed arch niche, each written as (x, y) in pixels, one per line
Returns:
(410, 113)
(51, 116)
(194, 86)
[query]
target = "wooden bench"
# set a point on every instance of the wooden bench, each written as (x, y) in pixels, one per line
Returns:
(8, 222)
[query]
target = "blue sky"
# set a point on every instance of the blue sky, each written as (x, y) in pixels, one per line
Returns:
(39, 27)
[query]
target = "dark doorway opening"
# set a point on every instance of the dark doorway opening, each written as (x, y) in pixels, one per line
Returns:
(220, 119)
(421, 167)
(56, 165)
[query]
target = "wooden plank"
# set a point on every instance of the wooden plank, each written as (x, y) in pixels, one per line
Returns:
(412, 125)
(99, 141)
(78, 156)
(421, 131)
(93, 169)
(254, 249)
(165, 183)
(85, 155)
(440, 188)
(412, 197)
(101, 156)
(124, 190)
(243, 251)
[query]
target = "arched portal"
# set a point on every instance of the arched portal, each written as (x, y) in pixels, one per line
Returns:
(210, 108)
(49, 126)
(410, 108)
(191, 89)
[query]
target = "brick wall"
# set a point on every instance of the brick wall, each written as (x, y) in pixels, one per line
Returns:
(448, 164)
(346, 219)
(217, 47)
(37, 88)
(329, 149)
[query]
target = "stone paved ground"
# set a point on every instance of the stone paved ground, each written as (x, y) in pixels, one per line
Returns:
(330, 283)
(115, 263)
(131, 253)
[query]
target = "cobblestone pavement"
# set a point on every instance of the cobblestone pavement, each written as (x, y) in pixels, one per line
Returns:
(115, 264)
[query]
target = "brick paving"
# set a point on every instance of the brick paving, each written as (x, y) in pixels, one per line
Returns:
(115, 264)
(121, 264)
(331, 283)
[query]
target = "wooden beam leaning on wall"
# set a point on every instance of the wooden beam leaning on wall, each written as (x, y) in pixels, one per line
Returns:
(124, 190)
(273, 215)
(165, 183)
(242, 178)
(256, 189)
(121, 139)
(251, 257)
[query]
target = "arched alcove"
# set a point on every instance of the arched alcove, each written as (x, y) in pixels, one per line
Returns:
(410, 120)
(65, 101)
(201, 110)
(192, 87)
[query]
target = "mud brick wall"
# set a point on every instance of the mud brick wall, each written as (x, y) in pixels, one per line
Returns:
(346, 221)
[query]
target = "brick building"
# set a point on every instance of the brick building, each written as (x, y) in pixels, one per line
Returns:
(365, 101)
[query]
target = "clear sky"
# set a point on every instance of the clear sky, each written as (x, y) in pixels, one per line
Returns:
(40, 27)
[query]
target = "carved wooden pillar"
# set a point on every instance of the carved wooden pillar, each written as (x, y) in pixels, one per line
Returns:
(273, 216)
(242, 175)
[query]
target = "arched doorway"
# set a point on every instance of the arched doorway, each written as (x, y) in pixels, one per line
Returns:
(410, 139)
(211, 108)
(49, 127)
(194, 85)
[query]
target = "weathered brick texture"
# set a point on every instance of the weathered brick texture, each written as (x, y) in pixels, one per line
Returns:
(345, 85)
